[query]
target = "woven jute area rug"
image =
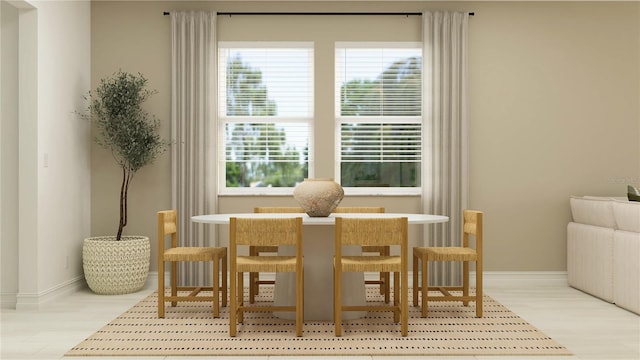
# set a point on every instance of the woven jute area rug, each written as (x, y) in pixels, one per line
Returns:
(189, 329)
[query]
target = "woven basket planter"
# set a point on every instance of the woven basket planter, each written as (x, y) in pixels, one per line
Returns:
(116, 267)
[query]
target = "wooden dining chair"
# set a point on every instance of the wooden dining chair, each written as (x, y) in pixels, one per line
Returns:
(168, 226)
(254, 278)
(372, 232)
(264, 232)
(472, 226)
(383, 278)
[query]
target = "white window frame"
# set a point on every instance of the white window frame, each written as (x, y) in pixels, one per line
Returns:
(223, 119)
(339, 120)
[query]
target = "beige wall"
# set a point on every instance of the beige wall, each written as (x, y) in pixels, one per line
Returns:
(554, 108)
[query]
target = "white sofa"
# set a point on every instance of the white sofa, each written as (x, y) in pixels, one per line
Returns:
(603, 249)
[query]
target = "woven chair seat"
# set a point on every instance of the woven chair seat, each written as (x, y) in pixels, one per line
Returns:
(371, 263)
(193, 253)
(448, 253)
(266, 263)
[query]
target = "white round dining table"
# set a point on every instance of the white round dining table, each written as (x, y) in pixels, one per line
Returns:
(318, 250)
(328, 220)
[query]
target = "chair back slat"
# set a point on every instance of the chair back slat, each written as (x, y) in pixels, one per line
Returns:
(267, 231)
(170, 221)
(376, 231)
(472, 226)
(471, 220)
(469, 228)
(167, 225)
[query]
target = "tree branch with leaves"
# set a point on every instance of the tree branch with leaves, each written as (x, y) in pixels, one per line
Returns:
(125, 128)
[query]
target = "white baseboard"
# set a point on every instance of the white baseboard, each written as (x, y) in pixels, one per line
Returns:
(33, 301)
(490, 277)
(26, 301)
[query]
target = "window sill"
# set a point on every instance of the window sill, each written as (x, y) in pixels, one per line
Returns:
(347, 192)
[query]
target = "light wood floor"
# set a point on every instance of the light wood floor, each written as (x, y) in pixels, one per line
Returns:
(590, 328)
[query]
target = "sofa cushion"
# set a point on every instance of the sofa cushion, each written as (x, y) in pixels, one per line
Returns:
(627, 215)
(591, 210)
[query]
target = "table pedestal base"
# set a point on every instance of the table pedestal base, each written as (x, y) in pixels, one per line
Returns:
(318, 251)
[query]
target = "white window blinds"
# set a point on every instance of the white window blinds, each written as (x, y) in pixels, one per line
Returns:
(379, 81)
(266, 115)
(379, 114)
(267, 79)
(382, 142)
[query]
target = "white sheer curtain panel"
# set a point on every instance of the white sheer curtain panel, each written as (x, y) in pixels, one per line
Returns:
(445, 175)
(193, 155)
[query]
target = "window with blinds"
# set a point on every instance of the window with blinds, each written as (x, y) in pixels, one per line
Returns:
(379, 116)
(265, 115)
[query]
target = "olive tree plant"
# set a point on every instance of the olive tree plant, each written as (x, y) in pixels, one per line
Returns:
(124, 128)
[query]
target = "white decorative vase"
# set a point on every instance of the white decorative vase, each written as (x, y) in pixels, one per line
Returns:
(114, 267)
(318, 197)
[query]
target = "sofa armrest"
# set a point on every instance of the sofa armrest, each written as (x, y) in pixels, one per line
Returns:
(590, 259)
(626, 270)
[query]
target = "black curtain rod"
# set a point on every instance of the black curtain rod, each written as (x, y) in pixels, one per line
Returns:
(317, 13)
